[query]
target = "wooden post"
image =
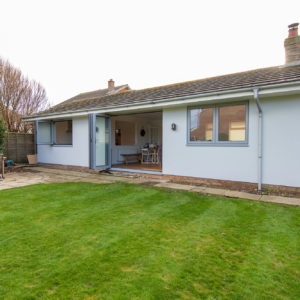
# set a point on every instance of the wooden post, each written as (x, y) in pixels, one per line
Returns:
(2, 158)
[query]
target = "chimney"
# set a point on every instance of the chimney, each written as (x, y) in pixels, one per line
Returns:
(292, 45)
(111, 84)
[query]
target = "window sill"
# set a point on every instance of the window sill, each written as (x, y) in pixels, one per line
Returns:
(225, 144)
(61, 145)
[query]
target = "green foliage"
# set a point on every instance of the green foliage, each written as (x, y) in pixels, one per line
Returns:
(122, 241)
(2, 134)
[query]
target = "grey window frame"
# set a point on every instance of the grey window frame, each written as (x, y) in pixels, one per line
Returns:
(52, 133)
(215, 141)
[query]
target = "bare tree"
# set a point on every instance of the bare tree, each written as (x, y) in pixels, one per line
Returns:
(19, 97)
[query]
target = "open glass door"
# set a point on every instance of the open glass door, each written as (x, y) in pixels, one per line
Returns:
(99, 141)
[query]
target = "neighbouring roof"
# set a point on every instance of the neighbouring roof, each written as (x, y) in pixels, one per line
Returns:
(248, 79)
(94, 94)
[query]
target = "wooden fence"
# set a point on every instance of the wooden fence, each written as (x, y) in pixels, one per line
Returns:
(18, 146)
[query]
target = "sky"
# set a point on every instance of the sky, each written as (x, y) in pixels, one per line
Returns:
(77, 46)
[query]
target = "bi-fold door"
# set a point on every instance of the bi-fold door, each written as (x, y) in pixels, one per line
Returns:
(99, 127)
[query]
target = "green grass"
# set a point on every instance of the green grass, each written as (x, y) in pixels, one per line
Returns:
(122, 241)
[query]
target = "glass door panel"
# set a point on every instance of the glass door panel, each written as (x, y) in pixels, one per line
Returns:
(99, 128)
(102, 141)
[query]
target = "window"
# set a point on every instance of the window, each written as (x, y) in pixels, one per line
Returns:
(201, 124)
(124, 133)
(54, 132)
(63, 132)
(232, 123)
(223, 124)
(44, 133)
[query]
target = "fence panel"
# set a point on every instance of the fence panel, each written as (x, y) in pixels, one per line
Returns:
(18, 146)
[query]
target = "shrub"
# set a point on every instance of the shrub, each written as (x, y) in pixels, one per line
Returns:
(2, 135)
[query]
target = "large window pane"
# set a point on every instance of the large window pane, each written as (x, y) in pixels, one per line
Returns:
(201, 124)
(44, 133)
(63, 133)
(232, 123)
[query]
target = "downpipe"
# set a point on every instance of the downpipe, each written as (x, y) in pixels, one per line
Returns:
(260, 138)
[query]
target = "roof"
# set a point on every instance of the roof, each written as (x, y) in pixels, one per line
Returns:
(97, 93)
(248, 79)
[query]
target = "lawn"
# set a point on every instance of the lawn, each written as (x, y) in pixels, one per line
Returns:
(122, 241)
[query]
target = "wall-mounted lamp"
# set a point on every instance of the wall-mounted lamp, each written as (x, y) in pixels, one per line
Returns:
(173, 126)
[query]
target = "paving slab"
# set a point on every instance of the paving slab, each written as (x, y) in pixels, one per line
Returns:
(62, 172)
(69, 174)
(199, 189)
(280, 200)
(13, 180)
(101, 177)
(175, 186)
(242, 195)
(214, 191)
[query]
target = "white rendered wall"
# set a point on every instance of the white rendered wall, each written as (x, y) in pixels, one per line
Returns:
(282, 141)
(281, 155)
(281, 147)
(75, 155)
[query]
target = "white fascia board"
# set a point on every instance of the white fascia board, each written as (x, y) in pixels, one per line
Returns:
(223, 96)
(289, 90)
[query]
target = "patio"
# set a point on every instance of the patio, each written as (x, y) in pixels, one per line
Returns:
(37, 175)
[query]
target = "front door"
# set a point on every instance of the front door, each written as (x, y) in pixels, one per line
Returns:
(99, 141)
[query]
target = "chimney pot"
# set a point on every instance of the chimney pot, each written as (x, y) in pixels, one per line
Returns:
(293, 30)
(111, 84)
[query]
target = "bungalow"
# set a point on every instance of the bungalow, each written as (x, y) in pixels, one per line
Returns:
(240, 127)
